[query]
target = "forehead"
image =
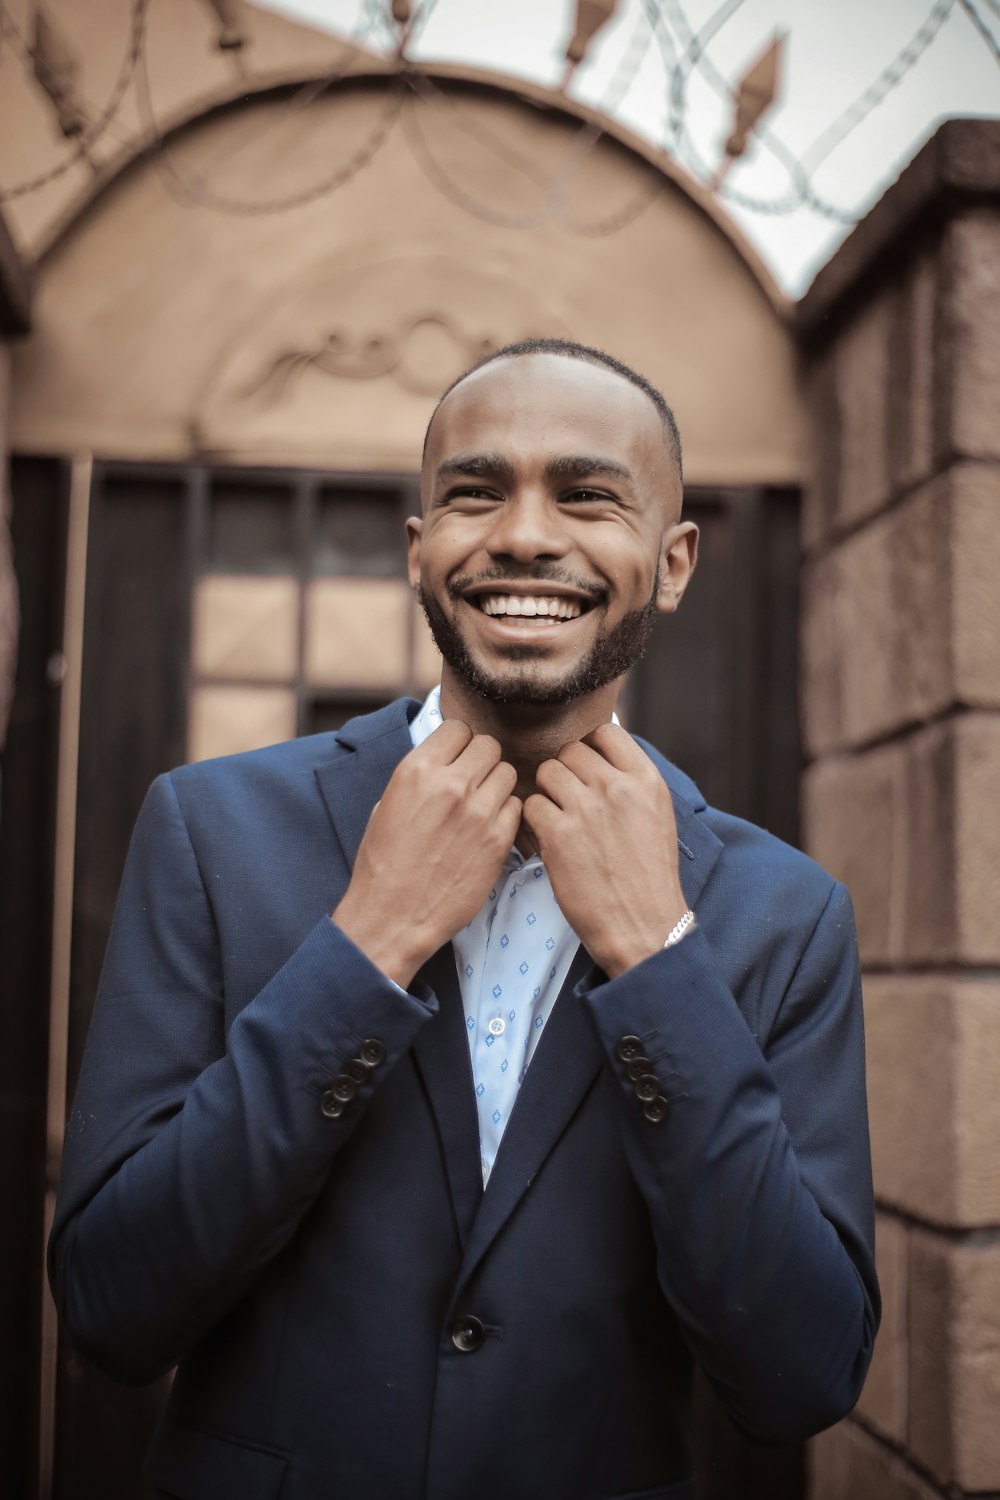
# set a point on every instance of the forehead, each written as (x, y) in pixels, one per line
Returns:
(546, 403)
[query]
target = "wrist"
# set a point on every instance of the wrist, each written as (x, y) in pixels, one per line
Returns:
(380, 945)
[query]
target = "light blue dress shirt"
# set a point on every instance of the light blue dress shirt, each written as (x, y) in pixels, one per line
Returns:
(512, 961)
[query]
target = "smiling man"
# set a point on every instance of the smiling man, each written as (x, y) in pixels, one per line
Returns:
(442, 1195)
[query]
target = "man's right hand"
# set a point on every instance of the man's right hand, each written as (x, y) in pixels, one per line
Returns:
(434, 846)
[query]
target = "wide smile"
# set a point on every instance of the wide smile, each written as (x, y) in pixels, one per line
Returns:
(527, 613)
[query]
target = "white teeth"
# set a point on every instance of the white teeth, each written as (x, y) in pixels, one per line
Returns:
(516, 604)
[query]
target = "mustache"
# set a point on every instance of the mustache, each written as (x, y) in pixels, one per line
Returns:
(537, 573)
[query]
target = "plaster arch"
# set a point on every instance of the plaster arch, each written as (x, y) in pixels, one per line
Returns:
(165, 331)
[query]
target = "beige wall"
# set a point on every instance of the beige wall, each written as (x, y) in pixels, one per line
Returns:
(901, 700)
(319, 335)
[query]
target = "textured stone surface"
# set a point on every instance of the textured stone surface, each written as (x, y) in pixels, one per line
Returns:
(975, 572)
(915, 372)
(973, 332)
(883, 1400)
(862, 366)
(913, 829)
(847, 1463)
(955, 1360)
(952, 897)
(902, 620)
(933, 1047)
(854, 823)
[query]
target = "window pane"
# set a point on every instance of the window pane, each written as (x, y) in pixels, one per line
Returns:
(360, 531)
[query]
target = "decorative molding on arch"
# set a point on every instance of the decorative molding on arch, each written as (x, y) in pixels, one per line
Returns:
(413, 321)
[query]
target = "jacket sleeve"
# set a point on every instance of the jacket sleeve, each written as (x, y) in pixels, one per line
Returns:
(758, 1178)
(191, 1155)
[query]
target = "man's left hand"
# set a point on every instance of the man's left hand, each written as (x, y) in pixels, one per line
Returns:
(604, 825)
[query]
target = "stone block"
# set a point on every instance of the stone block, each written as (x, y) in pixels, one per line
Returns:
(915, 364)
(933, 1049)
(902, 619)
(819, 500)
(854, 823)
(952, 875)
(954, 1360)
(847, 1463)
(862, 381)
(971, 369)
(975, 571)
(883, 1400)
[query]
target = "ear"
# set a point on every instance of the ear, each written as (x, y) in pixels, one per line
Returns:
(414, 527)
(678, 557)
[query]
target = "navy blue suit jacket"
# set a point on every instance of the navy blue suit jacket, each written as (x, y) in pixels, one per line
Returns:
(308, 1273)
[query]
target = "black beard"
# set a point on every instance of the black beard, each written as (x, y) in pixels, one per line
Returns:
(614, 651)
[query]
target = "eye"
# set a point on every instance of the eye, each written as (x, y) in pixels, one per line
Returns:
(583, 497)
(471, 494)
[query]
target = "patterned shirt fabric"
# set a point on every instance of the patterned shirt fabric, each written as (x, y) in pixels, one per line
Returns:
(512, 961)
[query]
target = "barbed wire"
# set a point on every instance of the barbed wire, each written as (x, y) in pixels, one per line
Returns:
(663, 23)
(92, 131)
(981, 26)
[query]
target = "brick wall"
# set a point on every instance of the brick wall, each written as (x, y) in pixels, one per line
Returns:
(901, 704)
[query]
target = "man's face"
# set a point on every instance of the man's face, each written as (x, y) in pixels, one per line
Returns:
(549, 538)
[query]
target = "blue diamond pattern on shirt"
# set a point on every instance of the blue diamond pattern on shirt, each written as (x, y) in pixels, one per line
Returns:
(489, 970)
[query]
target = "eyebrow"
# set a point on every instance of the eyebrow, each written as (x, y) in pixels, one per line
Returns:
(565, 466)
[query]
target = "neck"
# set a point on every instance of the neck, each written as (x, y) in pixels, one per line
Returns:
(528, 733)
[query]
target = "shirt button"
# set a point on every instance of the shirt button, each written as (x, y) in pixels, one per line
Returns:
(467, 1334)
(497, 1026)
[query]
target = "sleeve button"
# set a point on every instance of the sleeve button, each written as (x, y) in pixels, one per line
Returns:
(637, 1067)
(629, 1048)
(343, 1088)
(647, 1088)
(331, 1106)
(656, 1110)
(356, 1069)
(372, 1052)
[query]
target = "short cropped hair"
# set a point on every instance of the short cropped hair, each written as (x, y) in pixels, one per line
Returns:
(572, 350)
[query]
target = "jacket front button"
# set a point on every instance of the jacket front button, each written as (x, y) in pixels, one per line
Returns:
(467, 1334)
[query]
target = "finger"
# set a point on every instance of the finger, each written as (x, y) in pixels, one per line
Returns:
(615, 745)
(586, 764)
(478, 758)
(500, 782)
(445, 744)
(539, 813)
(558, 781)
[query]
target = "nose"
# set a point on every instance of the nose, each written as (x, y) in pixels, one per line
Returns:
(528, 527)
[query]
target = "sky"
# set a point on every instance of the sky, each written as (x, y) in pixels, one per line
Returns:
(832, 53)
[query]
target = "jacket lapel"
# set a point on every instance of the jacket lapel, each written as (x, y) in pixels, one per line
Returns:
(441, 1053)
(352, 784)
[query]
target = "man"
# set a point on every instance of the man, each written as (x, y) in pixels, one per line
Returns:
(441, 1196)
